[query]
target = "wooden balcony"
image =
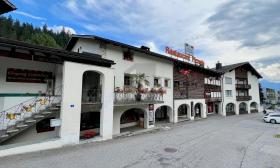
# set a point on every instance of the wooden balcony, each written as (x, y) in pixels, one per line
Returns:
(243, 98)
(213, 99)
(180, 94)
(243, 86)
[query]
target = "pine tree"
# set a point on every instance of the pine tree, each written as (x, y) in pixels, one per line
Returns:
(26, 32)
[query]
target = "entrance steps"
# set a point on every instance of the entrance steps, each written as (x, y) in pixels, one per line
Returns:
(26, 123)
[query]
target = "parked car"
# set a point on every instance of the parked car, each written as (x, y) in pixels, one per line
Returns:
(273, 118)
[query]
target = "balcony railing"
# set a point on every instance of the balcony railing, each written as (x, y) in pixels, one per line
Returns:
(91, 96)
(243, 98)
(180, 94)
(124, 98)
(213, 99)
(243, 86)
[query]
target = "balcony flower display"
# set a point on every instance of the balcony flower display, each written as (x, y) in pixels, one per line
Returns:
(129, 90)
(143, 90)
(118, 90)
(154, 90)
(141, 81)
(162, 91)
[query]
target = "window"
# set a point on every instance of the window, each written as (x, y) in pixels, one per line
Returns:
(228, 80)
(156, 82)
(228, 93)
(127, 80)
(176, 84)
(167, 83)
(128, 55)
(241, 81)
(242, 93)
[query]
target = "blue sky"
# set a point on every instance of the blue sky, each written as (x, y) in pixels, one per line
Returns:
(230, 31)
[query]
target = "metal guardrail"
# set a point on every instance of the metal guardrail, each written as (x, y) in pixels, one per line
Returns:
(131, 98)
(26, 109)
(91, 96)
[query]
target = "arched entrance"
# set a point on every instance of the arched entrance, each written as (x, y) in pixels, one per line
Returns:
(92, 86)
(198, 110)
(132, 119)
(183, 112)
(91, 105)
(254, 107)
(243, 108)
(163, 114)
(230, 109)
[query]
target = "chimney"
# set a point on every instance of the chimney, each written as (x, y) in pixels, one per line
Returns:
(145, 48)
(218, 65)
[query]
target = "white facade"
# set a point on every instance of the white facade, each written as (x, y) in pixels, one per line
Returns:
(231, 87)
(142, 63)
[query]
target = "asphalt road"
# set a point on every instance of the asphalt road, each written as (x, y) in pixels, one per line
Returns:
(217, 142)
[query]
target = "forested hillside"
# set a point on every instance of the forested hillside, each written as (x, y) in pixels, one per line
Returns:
(26, 32)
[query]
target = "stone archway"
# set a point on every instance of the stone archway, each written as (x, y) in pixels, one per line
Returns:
(163, 114)
(184, 112)
(254, 107)
(91, 104)
(243, 109)
(132, 119)
(198, 110)
(230, 109)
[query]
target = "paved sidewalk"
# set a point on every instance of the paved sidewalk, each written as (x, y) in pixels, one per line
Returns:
(217, 142)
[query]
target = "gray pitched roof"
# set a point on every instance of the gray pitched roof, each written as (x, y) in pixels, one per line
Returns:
(247, 65)
(6, 6)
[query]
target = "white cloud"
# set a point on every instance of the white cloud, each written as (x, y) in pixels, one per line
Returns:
(56, 28)
(270, 72)
(29, 15)
(159, 23)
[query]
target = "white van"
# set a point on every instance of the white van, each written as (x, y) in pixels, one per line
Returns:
(273, 118)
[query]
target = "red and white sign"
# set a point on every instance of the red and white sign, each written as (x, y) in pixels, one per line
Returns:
(183, 56)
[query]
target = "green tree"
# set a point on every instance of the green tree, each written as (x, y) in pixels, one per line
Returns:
(44, 40)
(15, 30)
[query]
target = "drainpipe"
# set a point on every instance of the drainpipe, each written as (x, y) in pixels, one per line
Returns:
(222, 94)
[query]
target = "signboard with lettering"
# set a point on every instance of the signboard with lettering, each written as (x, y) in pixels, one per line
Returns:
(27, 76)
(185, 57)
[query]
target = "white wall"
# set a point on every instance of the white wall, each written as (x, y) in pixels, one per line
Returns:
(254, 91)
(225, 87)
(72, 96)
(142, 63)
(20, 87)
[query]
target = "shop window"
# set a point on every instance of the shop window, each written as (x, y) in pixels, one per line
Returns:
(44, 125)
(128, 55)
(127, 80)
(228, 93)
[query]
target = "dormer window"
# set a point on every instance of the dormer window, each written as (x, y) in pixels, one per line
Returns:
(128, 55)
